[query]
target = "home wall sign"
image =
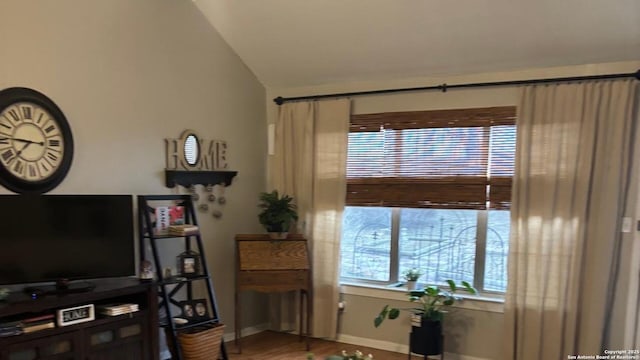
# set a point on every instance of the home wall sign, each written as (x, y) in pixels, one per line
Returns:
(192, 160)
(191, 152)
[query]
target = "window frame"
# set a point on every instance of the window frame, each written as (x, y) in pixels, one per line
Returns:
(482, 220)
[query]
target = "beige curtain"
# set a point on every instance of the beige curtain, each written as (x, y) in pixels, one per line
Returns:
(573, 161)
(309, 164)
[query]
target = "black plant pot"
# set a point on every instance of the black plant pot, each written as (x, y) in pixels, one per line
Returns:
(427, 339)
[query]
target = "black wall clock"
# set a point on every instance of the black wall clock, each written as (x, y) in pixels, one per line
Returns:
(36, 145)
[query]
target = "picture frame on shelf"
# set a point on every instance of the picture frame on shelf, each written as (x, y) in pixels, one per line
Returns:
(188, 264)
(201, 309)
(188, 311)
(194, 310)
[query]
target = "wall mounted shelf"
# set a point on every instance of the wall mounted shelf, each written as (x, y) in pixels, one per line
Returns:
(188, 178)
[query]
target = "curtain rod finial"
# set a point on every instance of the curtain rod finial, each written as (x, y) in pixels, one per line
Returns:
(638, 74)
(279, 100)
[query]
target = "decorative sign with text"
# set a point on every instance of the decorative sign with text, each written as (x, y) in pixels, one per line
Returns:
(75, 315)
(192, 161)
(190, 152)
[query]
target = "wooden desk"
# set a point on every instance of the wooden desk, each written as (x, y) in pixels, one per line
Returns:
(267, 265)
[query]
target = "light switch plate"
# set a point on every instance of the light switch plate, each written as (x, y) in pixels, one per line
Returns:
(626, 224)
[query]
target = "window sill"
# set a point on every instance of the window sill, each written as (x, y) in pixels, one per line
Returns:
(481, 302)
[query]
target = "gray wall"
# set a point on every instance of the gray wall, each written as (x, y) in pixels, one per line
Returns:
(128, 74)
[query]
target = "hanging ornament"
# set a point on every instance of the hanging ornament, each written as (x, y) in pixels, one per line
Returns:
(221, 199)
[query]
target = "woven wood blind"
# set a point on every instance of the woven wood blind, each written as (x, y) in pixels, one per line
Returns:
(458, 159)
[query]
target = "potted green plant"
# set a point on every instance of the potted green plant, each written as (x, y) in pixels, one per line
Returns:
(411, 276)
(278, 212)
(426, 320)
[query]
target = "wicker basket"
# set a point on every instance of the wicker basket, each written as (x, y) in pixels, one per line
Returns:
(201, 343)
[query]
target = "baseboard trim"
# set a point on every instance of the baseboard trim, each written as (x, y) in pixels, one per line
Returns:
(395, 347)
(376, 344)
(247, 331)
(353, 340)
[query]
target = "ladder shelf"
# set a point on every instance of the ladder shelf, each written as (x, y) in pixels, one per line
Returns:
(170, 288)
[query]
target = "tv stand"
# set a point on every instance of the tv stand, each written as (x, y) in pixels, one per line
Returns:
(61, 287)
(122, 337)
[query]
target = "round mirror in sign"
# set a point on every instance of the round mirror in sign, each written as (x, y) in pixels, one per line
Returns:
(191, 149)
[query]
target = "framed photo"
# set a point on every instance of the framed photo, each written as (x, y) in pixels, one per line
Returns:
(189, 264)
(194, 310)
(201, 309)
(188, 311)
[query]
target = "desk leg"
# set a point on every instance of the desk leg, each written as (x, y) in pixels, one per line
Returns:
(301, 314)
(309, 317)
(237, 323)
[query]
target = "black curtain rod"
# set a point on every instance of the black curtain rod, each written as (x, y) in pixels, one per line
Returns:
(444, 87)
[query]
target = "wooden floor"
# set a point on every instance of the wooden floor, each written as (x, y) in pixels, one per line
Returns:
(270, 345)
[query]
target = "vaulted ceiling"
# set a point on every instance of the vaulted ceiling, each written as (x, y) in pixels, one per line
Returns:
(289, 43)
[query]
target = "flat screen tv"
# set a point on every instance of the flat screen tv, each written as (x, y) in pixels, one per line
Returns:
(47, 238)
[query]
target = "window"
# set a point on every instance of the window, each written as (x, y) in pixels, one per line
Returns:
(429, 190)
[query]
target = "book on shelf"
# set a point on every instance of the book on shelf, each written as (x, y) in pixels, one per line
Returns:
(162, 220)
(176, 215)
(38, 326)
(165, 216)
(10, 328)
(10, 324)
(11, 332)
(186, 229)
(28, 325)
(118, 309)
(39, 318)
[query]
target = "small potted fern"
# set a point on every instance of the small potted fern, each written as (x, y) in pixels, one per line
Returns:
(278, 212)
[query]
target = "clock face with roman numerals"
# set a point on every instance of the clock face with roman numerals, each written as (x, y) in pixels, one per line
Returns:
(36, 145)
